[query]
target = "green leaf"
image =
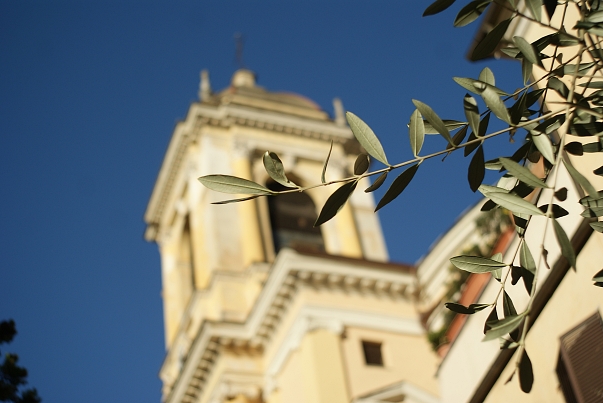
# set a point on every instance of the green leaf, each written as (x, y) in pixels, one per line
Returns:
(599, 276)
(476, 86)
(458, 137)
(561, 194)
(377, 184)
(550, 6)
(476, 264)
(574, 148)
(544, 145)
(535, 7)
(518, 108)
(592, 84)
(471, 12)
(512, 203)
(361, 164)
(503, 326)
(526, 375)
(236, 200)
(487, 76)
(323, 178)
(522, 173)
(597, 226)
(526, 260)
(397, 186)
(566, 247)
(275, 169)
(434, 119)
(527, 50)
(508, 307)
(558, 86)
(449, 124)
(462, 309)
(437, 7)
(233, 184)
(593, 212)
(471, 112)
(492, 318)
(477, 170)
(335, 202)
(496, 105)
(581, 180)
(526, 70)
(489, 42)
(366, 137)
(556, 210)
(416, 131)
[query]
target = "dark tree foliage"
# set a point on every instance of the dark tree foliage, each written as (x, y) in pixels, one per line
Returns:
(12, 376)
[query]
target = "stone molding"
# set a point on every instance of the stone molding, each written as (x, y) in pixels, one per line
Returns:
(290, 271)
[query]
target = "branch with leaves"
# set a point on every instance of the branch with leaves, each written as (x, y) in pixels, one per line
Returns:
(576, 81)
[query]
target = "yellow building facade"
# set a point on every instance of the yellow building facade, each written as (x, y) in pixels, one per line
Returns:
(260, 306)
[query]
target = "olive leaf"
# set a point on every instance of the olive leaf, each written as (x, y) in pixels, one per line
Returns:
(477, 170)
(535, 7)
(543, 144)
(361, 165)
(275, 169)
(416, 131)
(323, 178)
(471, 12)
(434, 119)
(597, 226)
(437, 7)
(335, 202)
(526, 375)
(366, 137)
(487, 76)
(508, 307)
(398, 186)
(488, 44)
(503, 326)
(233, 184)
(512, 202)
(527, 50)
(236, 200)
(466, 310)
(471, 112)
(526, 260)
(377, 184)
(476, 264)
(578, 177)
(567, 250)
(496, 105)
(522, 173)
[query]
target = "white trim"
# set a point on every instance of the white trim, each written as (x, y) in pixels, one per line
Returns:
(408, 392)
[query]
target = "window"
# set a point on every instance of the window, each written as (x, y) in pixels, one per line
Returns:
(372, 353)
(292, 217)
(580, 362)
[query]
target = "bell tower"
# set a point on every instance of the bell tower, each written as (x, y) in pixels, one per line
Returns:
(218, 261)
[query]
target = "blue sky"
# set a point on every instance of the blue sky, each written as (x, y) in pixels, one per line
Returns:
(89, 95)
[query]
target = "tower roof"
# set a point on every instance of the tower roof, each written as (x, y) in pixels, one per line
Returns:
(244, 91)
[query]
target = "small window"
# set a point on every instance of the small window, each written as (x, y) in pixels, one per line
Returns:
(372, 353)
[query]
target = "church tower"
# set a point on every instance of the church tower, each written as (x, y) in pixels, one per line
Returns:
(260, 306)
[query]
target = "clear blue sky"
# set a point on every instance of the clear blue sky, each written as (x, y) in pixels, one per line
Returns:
(89, 95)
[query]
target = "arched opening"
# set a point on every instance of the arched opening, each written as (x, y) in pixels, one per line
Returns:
(292, 217)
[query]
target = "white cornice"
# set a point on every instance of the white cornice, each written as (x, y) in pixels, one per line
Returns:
(290, 271)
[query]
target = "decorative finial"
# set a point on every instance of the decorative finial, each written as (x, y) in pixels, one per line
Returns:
(205, 86)
(339, 114)
(239, 42)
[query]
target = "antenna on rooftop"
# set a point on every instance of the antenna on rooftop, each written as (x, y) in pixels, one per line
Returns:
(239, 42)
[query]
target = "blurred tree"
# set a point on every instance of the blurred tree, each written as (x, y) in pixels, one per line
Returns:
(12, 376)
